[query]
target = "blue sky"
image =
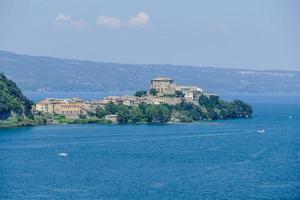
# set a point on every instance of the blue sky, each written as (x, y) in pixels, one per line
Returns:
(253, 34)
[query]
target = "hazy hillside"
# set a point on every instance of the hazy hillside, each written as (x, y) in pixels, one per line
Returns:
(53, 74)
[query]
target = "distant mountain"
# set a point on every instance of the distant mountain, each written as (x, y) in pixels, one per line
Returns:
(54, 74)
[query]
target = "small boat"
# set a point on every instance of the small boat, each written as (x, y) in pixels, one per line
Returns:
(63, 154)
(261, 131)
(290, 117)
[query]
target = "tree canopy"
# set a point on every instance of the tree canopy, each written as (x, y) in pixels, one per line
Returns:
(140, 93)
(153, 91)
(12, 101)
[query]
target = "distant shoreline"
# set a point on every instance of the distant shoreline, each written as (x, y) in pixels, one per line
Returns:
(204, 122)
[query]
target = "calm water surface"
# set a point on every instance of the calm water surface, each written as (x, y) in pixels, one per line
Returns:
(218, 160)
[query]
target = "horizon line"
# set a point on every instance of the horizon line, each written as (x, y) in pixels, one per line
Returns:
(150, 64)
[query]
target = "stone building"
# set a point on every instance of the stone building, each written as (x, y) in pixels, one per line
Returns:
(71, 110)
(112, 118)
(164, 86)
(67, 107)
(190, 92)
(47, 106)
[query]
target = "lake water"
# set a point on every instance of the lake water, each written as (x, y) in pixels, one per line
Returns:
(256, 158)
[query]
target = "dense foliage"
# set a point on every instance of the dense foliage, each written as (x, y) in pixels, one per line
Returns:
(219, 109)
(12, 102)
(153, 91)
(140, 93)
(209, 108)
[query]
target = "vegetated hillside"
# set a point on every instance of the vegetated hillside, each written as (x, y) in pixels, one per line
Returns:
(53, 74)
(12, 102)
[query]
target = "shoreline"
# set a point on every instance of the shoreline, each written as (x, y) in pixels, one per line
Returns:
(208, 122)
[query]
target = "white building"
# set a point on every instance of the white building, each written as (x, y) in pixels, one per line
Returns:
(190, 92)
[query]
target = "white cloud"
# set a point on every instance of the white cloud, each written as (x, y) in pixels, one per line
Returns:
(106, 21)
(140, 20)
(62, 19)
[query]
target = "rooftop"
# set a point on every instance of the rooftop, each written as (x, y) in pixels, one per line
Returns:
(162, 79)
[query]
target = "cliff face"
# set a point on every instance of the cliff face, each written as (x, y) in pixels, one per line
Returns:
(12, 102)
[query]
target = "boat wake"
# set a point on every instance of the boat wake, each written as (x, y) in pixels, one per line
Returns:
(63, 154)
(261, 131)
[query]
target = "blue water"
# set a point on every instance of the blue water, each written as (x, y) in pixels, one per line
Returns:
(217, 160)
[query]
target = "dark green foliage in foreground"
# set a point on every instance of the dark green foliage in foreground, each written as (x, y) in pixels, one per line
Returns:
(111, 108)
(100, 112)
(235, 109)
(12, 102)
(15, 108)
(136, 115)
(123, 114)
(209, 101)
(153, 91)
(140, 93)
(157, 113)
(179, 93)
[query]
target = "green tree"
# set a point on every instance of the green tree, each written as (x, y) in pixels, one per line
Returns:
(185, 117)
(136, 114)
(123, 114)
(157, 113)
(12, 100)
(100, 112)
(179, 94)
(140, 93)
(153, 91)
(214, 100)
(111, 108)
(143, 107)
(203, 100)
(194, 110)
(209, 101)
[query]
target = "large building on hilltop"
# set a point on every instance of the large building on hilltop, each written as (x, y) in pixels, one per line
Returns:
(163, 86)
(166, 87)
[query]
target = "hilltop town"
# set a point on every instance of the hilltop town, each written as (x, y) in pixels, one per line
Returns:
(162, 90)
(163, 102)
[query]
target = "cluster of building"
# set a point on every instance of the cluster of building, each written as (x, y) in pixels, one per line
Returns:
(166, 94)
(167, 87)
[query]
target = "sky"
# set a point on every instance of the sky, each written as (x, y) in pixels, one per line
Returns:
(249, 34)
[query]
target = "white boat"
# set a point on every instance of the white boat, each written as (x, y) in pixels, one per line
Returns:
(261, 131)
(63, 154)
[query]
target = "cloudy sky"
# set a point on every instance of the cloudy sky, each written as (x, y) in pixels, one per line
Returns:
(253, 34)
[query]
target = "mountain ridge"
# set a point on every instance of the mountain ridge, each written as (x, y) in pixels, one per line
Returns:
(42, 73)
(144, 64)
